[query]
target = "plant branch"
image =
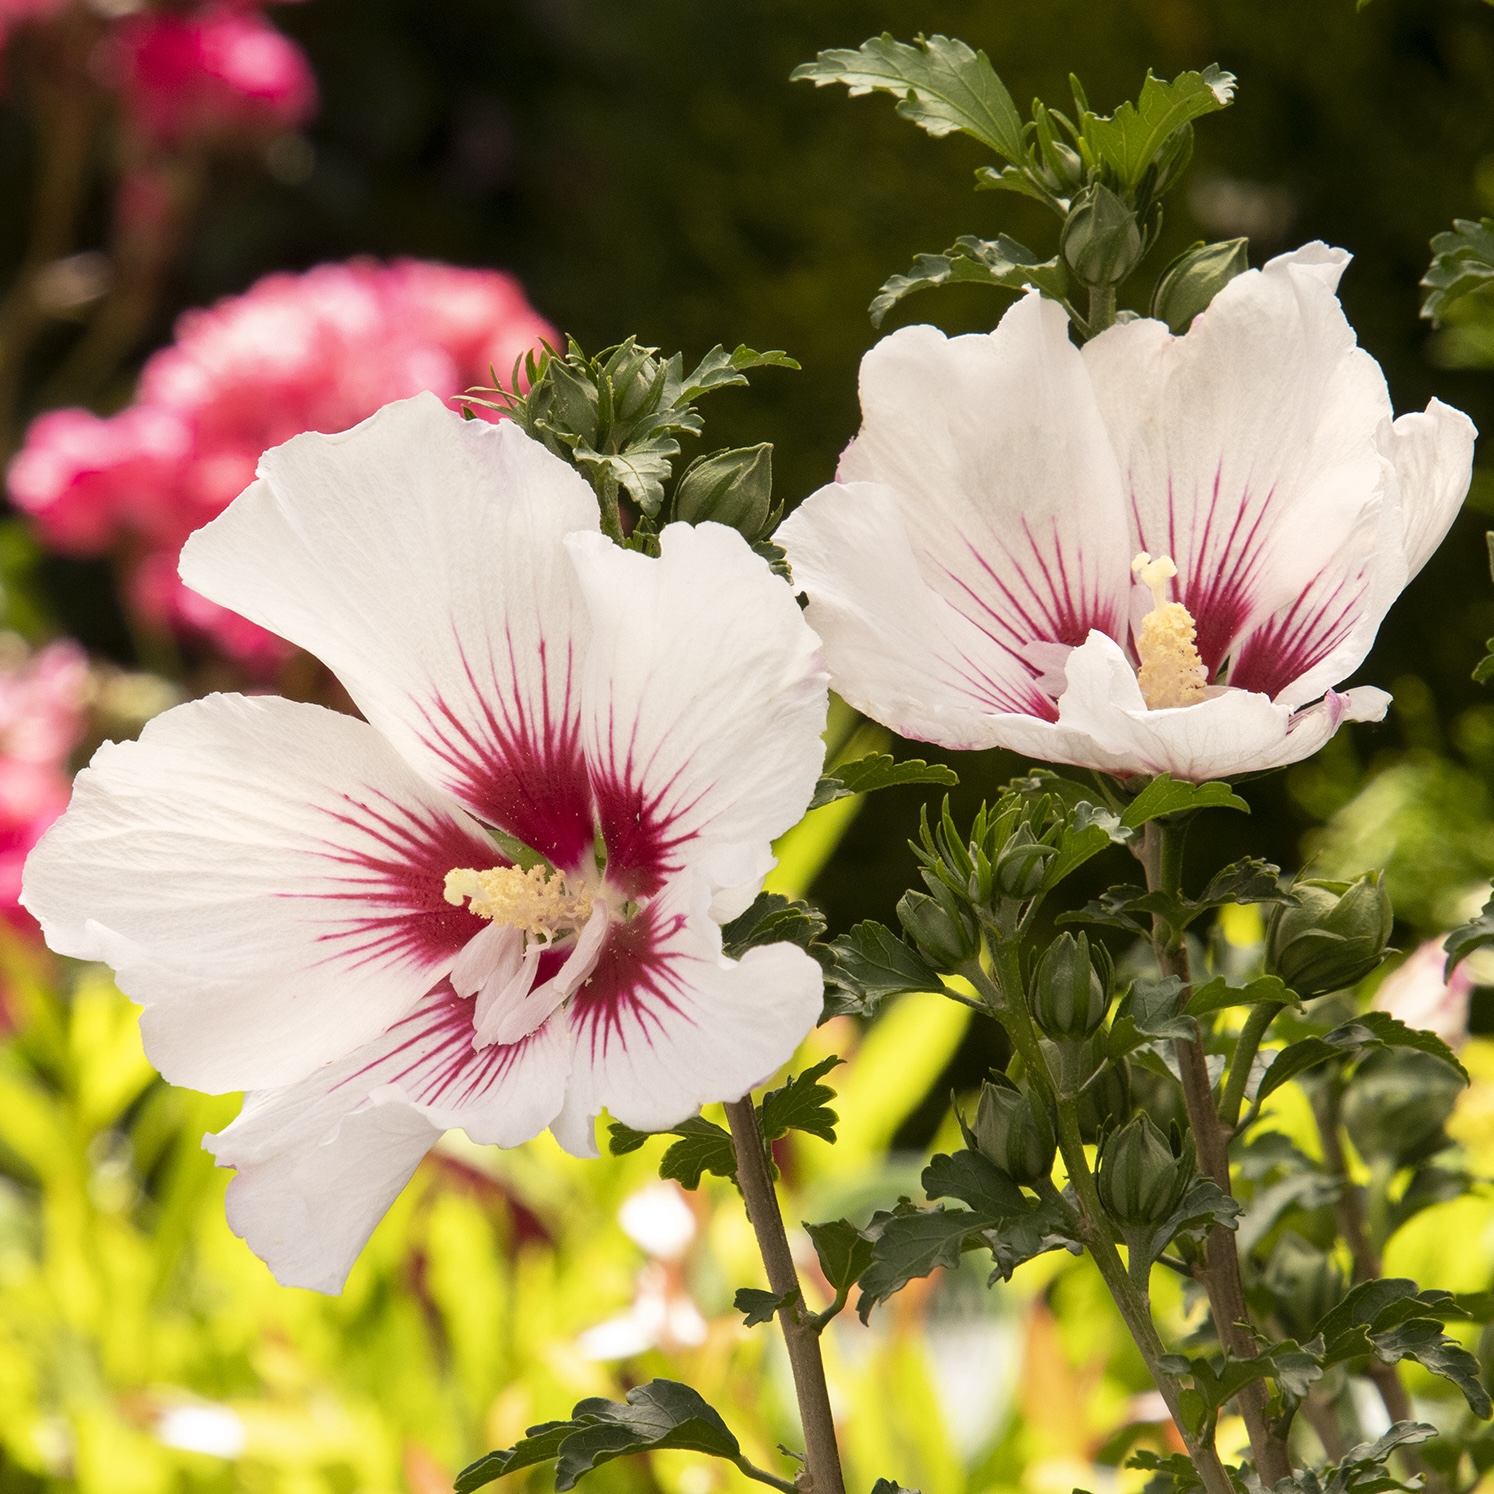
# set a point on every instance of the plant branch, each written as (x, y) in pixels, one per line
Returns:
(800, 1334)
(1009, 1003)
(1161, 856)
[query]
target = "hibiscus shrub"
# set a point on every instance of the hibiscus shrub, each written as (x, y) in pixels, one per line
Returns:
(524, 885)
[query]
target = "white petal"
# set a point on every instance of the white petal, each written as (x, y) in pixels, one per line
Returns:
(321, 1161)
(1248, 446)
(1234, 732)
(508, 1013)
(265, 877)
(1001, 462)
(898, 651)
(666, 1024)
(705, 697)
(495, 954)
(1433, 456)
(419, 556)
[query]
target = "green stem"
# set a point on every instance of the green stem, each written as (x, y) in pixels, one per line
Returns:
(611, 514)
(1008, 1000)
(764, 1477)
(1101, 308)
(1162, 858)
(801, 1336)
(1247, 1045)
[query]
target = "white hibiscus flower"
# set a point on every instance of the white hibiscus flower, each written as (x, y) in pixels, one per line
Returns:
(1154, 553)
(312, 908)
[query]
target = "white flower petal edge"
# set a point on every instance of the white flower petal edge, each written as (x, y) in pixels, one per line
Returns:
(320, 1163)
(1432, 452)
(264, 877)
(419, 556)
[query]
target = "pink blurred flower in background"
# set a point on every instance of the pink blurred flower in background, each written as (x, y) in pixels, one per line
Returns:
(1416, 993)
(317, 351)
(210, 72)
(43, 700)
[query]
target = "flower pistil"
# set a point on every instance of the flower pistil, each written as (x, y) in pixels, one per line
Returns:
(1171, 673)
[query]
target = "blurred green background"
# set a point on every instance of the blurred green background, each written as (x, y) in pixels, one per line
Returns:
(645, 167)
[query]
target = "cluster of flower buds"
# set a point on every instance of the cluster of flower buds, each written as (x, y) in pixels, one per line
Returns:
(1014, 1132)
(1070, 997)
(1141, 1179)
(1330, 935)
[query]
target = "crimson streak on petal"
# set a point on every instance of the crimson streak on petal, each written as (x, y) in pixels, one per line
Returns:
(633, 985)
(525, 776)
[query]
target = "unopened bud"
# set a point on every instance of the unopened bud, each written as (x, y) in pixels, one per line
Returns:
(1100, 238)
(945, 938)
(733, 487)
(1332, 935)
(1014, 1133)
(1069, 999)
(1139, 1179)
(1022, 863)
(1398, 1102)
(1194, 278)
(1304, 1284)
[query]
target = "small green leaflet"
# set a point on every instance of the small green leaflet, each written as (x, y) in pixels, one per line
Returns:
(1477, 933)
(772, 919)
(913, 1243)
(759, 1306)
(720, 370)
(1129, 141)
(800, 1104)
(1462, 262)
(1163, 795)
(703, 1147)
(662, 1414)
(872, 964)
(843, 1250)
(878, 771)
(641, 470)
(941, 85)
(1000, 263)
(1368, 1030)
(1215, 995)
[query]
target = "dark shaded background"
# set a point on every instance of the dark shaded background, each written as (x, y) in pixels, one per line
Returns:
(646, 167)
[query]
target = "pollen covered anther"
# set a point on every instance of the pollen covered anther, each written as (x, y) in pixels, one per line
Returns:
(537, 900)
(1171, 673)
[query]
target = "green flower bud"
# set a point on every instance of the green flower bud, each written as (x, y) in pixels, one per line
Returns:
(946, 939)
(1397, 1104)
(1069, 1000)
(1139, 1179)
(1332, 935)
(733, 487)
(1304, 1284)
(1022, 863)
(1100, 239)
(1105, 1098)
(1194, 278)
(1014, 1133)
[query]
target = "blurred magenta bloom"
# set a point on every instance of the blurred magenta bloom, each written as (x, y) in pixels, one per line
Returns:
(1416, 993)
(210, 72)
(315, 351)
(43, 698)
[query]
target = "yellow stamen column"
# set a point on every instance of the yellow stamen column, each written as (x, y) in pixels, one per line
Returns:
(1171, 673)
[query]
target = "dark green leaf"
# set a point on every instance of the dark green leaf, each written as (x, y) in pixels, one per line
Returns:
(843, 1250)
(1204, 1205)
(887, 1486)
(662, 1414)
(1001, 263)
(800, 1104)
(878, 771)
(1153, 1009)
(1164, 796)
(973, 1180)
(1462, 262)
(759, 1306)
(641, 470)
(1248, 881)
(538, 1445)
(1395, 1034)
(1117, 908)
(1423, 1340)
(1050, 1225)
(1129, 141)
(872, 964)
(703, 1147)
(720, 369)
(1215, 995)
(914, 1244)
(1483, 671)
(941, 85)
(1368, 1030)
(771, 919)
(1087, 831)
(1477, 933)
